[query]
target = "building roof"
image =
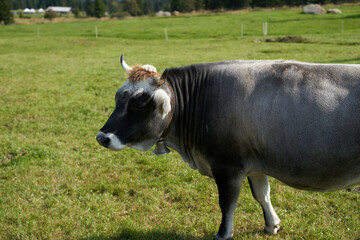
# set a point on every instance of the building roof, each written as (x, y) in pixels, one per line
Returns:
(59, 9)
(27, 10)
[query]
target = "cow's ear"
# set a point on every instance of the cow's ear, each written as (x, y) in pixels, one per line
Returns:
(162, 100)
(163, 78)
(164, 75)
(159, 80)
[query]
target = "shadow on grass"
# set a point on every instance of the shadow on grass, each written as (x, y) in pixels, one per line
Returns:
(351, 16)
(129, 234)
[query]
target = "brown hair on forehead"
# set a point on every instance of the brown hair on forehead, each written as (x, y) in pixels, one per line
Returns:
(138, 73)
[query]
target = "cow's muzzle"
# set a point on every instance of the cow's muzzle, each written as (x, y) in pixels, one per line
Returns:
(109, 140)
(103, 139)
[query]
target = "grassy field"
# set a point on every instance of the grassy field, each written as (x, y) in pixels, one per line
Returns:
(57, 89)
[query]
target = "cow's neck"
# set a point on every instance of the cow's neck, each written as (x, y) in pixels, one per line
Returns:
(187, 125)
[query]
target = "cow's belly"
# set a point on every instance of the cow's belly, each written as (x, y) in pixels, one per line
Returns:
(325, 186)
(315, 178)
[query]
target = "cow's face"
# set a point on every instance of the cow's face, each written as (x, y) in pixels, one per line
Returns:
(141, 111)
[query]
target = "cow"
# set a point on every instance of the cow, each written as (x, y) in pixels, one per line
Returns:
(294, 121)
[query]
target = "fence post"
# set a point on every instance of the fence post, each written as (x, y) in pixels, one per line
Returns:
(265, 28)
(166, 36)
(96, 32)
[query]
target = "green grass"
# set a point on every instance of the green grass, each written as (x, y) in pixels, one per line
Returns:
(57, 90)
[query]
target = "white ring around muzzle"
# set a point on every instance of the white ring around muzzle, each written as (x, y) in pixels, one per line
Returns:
(114, 142)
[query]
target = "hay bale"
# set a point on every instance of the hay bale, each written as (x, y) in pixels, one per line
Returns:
(334, 11)
(313, 9)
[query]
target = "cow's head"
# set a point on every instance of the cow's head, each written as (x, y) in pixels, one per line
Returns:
(142, 111)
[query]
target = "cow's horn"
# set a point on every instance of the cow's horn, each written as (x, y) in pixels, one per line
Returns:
(123, 64)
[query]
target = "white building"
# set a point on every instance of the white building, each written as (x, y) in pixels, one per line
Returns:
(60, 10)
(33, 11)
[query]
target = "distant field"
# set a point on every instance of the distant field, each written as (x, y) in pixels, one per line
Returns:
(57, 86)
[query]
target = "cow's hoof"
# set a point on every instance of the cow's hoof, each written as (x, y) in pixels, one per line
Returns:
(217, 237)
(272, 229)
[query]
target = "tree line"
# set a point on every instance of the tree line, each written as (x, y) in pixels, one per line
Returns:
(191, 5)
(135, 7)
(120, 8)
(146, 7)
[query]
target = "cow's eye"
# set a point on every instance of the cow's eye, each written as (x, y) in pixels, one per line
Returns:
(138, 102)
(121, 96)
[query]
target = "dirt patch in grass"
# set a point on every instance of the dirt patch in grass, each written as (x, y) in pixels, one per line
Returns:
(8, 157)
(286, 39)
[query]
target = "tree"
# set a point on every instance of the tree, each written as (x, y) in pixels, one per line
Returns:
(77, 12)
(198, 4)
(145, 8)
(115, 7)
(5, 13)
(177, 5)
(132, 7)
(90, 8)
(189, 5)
(238, 4)
(216, 4)
(50, 15)
(99, 10)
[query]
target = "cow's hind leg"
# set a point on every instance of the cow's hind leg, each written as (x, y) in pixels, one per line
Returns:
(260, 189)
(229, 185)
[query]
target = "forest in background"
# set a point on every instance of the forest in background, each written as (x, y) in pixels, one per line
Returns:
(146, 7)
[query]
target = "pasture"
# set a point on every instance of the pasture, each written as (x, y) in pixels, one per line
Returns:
(57, 88)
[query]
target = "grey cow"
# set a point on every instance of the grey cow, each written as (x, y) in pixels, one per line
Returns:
(297, 122)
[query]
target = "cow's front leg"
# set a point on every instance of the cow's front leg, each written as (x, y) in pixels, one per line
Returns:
(260, 189)
(229, 184)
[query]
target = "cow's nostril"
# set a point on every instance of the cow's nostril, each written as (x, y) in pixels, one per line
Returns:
(106, 140)
(103, 140)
